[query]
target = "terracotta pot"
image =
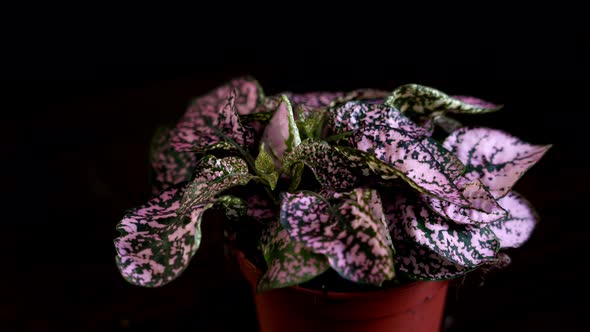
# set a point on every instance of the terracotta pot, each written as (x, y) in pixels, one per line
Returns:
(414, 307)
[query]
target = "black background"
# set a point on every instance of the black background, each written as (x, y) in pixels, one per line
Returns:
(78, 115)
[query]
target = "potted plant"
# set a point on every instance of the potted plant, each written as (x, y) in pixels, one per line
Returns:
(346, 211)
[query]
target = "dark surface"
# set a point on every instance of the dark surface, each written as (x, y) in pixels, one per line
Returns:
(74, 158)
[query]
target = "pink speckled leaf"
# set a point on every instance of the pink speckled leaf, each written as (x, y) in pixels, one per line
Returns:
(288, 262)
(156, 244)
(515, 229)
(420, 263)
(425, 100)
(281, 134)
(170, 166)
(353, 235)
(213, 176)
(315, 100)
(357, 115)
(365, 95)
(483, 208)
(424, 163)
(331, 169)
(465, 245)
(476, 102)
(261, 209)
(211, 119)
(496, 158)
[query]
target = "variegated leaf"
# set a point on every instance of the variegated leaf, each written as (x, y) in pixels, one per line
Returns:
(170, 166)
(261, 209)
(156, 244)
(420, 263)
(211, 119)
(515, 229)
(356, 115)
(310, 122)
(234, 207)
(315, 100)
(213, 176)
(447, 123)
(353, 235)
(368, 163)
(281, 134)
(425, 164)
(496, 158)
(265, 167)
(288, 262)
(331, 169)
(425, 100)
(483, 208)
(466, 245)
(366, 95)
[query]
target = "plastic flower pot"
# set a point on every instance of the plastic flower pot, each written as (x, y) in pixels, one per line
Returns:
(417, 306)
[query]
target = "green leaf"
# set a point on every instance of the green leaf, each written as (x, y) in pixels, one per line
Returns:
(296, 175)
(213, 176)
(288, 262)
(425, 100)
(265, 167)
(310, 123)
(234, 207)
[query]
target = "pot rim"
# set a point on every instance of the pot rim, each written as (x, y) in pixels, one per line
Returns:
(340, 295)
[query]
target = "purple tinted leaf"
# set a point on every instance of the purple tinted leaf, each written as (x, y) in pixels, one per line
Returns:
(211, 119)
(466, 245)
(261, 209)
(420, 263)
(213, 176)
(476, 102)
(315, 100)
(425, 100)
(483, 208)
(515, 229)
(170, 166)
(365, 95)
(331, 169)
(288, 262)
(424, 163)
(497, 159)
(156, 244)
(354, 237)
(281, 134)
(355, 115)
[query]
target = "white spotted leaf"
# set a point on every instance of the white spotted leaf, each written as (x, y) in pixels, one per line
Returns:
(426, 100)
